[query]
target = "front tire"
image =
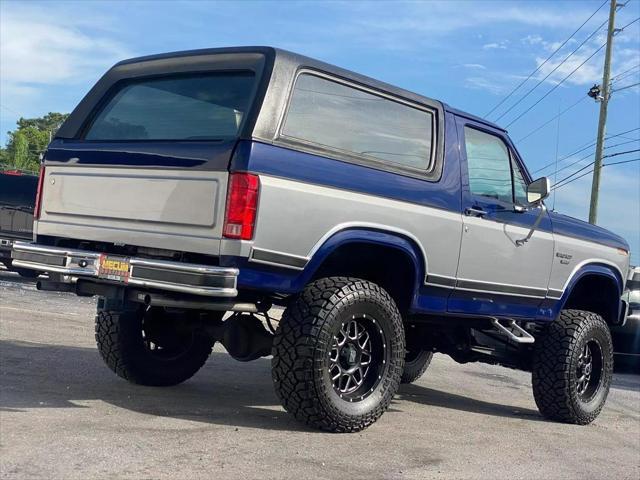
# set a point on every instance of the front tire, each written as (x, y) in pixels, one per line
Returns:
(146, 346)
(573, 367)
(338, 354)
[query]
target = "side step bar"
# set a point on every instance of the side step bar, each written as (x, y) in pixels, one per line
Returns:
(513, 331)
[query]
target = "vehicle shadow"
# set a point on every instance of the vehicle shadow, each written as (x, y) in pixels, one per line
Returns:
(224, 392)
(437, 398)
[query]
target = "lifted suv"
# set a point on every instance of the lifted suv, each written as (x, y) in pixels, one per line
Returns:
(389, 225)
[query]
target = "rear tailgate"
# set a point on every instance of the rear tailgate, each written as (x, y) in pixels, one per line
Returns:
(129, 194)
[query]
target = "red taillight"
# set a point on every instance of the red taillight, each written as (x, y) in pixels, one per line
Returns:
(242, 203)
(36, 210)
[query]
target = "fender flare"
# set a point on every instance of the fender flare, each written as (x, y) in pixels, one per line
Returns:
(595, 268)
(365, 234)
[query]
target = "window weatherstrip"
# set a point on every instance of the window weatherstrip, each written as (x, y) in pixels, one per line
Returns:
(354, 157)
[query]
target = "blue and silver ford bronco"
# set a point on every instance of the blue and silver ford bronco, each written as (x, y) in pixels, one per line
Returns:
(389, 225)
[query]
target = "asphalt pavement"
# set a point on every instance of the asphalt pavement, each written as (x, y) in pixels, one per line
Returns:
(65, 415)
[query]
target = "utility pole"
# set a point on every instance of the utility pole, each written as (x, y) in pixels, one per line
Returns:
(602, 122)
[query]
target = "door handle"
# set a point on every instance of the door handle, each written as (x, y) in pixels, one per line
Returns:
(474, 212)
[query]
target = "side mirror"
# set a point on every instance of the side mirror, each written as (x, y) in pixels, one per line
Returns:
(538, 190)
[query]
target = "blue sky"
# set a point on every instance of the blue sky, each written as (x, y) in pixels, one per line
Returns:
(469, 54)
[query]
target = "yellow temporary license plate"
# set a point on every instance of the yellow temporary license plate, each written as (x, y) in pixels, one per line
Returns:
(114, 268)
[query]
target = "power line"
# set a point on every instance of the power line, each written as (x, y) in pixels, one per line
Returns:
(624, 88)
(9, 109)
(582, 149)
(621, 153)
(555, 187)
(540, 82)
(620, 30)
(570, 74)
(556, 85)
(575, 173)
(546, 60)
(593, 153)
(625, 73)
(568, 177)
(622, 161)
(552, 119)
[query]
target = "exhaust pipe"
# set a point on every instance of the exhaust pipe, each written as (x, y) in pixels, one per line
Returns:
(49, 286)
(158, 300)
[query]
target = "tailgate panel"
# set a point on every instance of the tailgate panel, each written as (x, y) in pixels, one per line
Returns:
(159, 208)
(154, 196)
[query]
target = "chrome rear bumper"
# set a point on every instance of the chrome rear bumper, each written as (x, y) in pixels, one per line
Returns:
(190, 278)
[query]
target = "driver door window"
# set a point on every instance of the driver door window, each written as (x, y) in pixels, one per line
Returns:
(493, 173)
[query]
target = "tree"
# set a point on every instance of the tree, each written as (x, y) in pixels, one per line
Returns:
(29, 140)
(20, 151)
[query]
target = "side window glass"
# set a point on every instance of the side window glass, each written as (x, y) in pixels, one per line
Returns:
(489, 165)
(352, 121)
(519, 185)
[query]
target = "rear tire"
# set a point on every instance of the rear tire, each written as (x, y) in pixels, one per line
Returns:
(338, 354)
(415, 364)
(145, 346)
(572, 367)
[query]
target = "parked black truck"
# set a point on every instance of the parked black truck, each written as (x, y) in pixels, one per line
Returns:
(17, 201)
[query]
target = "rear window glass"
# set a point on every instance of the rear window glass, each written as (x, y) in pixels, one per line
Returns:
(188, 107)
(18, 190)
(346, 119)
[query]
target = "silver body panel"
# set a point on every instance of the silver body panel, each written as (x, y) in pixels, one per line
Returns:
(490, 254)
(583, 253)
(295, 218)
(169, 209)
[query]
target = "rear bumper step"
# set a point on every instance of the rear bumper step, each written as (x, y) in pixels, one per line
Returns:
(190, 278)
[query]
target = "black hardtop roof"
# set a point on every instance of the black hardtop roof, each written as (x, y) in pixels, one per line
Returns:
(280, 55)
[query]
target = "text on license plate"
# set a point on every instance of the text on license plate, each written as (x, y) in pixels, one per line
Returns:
(114, 268)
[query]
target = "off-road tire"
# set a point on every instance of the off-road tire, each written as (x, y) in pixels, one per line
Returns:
(555, 363)
(121, 345)
(415, 364)
(303, 339)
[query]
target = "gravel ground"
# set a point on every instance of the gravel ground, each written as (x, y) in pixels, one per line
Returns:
(64, 415)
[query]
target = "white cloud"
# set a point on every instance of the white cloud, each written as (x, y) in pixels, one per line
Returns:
(532, 39)
(36, 51)
(589, 73)
(475, 66)
(484, 84)
(494, 45)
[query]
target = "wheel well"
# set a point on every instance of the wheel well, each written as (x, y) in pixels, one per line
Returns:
(598, 294)
(391, 268)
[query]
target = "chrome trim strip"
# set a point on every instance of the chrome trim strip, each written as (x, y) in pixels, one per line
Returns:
(72, 258)
(494, 292)
(463, 284)
(184, 267)
(540, 289)
(554, 294)
(278, 259)
(440, 281)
